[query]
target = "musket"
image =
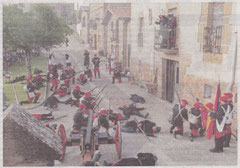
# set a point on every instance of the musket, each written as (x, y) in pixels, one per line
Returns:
(93, 89)
(101, 91)
(180, 110)
(55, 119)
(141, 130)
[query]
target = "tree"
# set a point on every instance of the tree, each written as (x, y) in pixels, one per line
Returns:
(39, 28)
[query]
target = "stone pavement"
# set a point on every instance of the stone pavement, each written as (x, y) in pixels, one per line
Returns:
(169, 151)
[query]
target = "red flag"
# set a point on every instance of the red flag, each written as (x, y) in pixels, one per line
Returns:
(204, 115)
(218, 95)
(209, 129)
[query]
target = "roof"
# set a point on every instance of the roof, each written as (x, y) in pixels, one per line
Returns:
(122, 10)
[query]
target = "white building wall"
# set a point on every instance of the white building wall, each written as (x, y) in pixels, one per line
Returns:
(145, 53)
(190, 46)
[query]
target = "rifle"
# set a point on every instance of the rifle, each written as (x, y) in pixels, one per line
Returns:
(55, 119)
(101, 91)
(141, 130)
(180, 110)
(93, 89)
(99, 102)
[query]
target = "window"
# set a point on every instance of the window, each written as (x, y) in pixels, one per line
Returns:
(112, 29)
(213, 31)
(140, 33)
(84, 22)
(150, 17)
(207, 91)
(117, 30)
(139, 65)
(235, 100)
(177, 75)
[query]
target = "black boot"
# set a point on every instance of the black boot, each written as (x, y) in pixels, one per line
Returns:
(171, 129)
(227, 139)
(113, 80)
(51, 88)
(146, 115)
(217, 148)
(175, 133)
(35, 100)
(95, 75)
(201, 132)
(191, 137)
(221, 144)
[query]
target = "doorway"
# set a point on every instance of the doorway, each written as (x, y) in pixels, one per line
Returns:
(170, 80)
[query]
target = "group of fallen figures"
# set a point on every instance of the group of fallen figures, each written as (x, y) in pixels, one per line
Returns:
(37, 79)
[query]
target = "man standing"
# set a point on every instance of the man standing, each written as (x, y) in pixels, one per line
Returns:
(179, 113)
(96, 62)
(229, 120)
(86, 58)
(68, 60)
(54, 77)
(220, 116)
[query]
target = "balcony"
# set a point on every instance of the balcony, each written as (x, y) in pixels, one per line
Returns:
(165, 36)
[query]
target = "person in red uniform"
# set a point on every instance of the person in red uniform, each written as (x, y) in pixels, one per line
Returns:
(54, 77)
(88, 73)
(194, 127)
(75, 97)
(229, 120)
(177, 119)
(48, 116)
(30, 89)
(96, 62)
(219, 130)
(116, 75)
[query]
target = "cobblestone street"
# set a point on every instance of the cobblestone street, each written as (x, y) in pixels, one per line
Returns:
(169, 151)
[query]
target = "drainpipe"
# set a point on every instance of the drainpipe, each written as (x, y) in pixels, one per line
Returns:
(230, 86)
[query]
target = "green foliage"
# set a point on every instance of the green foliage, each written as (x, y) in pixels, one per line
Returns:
(40, 28)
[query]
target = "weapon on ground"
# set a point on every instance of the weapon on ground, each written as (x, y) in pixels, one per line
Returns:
(55, 119)
(141, 130)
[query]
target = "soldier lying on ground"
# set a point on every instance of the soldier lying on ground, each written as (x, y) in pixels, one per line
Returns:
(143, 159)
(18, 79)
(48, 116)
(51, 102)
(149, 128)
(132, 110)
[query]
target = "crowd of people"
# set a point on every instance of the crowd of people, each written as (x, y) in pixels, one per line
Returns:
(106, 118)
(205, 119)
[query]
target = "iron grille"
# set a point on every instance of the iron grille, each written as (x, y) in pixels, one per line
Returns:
(212, 39)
